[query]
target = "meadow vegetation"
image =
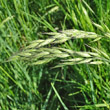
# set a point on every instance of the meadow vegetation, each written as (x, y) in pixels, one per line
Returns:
(54, 55)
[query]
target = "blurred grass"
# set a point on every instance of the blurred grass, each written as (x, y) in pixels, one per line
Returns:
(24, 87)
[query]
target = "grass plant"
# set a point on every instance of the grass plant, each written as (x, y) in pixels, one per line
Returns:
(54, 55)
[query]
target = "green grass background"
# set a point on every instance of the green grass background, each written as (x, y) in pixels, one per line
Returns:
(76, 87)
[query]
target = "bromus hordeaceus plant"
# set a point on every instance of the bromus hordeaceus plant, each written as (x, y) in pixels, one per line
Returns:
(39, 52)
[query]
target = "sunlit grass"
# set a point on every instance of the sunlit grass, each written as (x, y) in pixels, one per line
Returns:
(38, 34)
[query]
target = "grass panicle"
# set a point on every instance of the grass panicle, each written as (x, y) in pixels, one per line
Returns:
(37, 52)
